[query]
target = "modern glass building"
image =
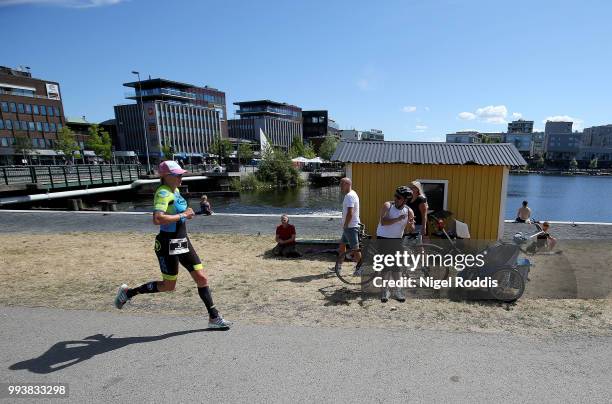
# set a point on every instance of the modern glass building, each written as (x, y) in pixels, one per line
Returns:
(279, 122)
(182, 116)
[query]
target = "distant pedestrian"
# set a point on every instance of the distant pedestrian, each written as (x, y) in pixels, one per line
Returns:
(205, 206)
(285, 239)
(418, 205)
(523, 214)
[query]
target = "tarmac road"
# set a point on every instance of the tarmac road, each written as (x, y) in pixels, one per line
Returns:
(159, 359)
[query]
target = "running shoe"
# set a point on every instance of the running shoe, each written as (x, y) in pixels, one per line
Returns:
(219, 322)
(121, 297)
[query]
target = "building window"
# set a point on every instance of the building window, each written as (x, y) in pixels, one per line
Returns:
(34, 142)
(57, 112)
(24, 125)
(9, 124)
(5, 142)
(39, 126)
(437, 194)
(31, 126)
(45, 126)
(28, 109)
(5, 106)
(43, 110)
(20, 108)
(53, 127)
(50, 111)
(35, 109)
(59, 126)
(1, 124)
(13, 107)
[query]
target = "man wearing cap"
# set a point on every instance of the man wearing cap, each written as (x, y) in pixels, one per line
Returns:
(172, 245)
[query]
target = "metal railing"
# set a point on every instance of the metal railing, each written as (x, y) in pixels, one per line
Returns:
(70, 175)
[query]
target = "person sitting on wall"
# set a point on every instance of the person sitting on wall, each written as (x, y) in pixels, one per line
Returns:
(285, 239)
(205, 206)
(523, 214)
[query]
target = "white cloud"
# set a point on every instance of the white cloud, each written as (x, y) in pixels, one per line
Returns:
(491, 114)
(409, 108)
(565, 118)
(466, 116)
(517, 115)
(62, 3)
(420, 128)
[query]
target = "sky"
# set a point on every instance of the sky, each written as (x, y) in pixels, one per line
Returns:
(416, 69)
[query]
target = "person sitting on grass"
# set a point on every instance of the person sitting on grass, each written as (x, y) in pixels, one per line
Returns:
(205, 206)
(285, 239)
(523, 214)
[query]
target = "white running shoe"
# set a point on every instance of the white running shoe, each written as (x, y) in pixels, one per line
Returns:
(219, 322)
(121, 297)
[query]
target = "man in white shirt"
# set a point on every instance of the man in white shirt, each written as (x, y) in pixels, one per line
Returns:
(350, 222)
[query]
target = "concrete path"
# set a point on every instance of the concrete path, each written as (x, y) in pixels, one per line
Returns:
(62, 222)
(108, 357)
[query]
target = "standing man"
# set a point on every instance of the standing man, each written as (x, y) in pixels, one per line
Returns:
(395, 218)
(418, 205)
(350, 223)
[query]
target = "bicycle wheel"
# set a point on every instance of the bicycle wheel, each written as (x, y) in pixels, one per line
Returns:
(434, 266)
(510, 285)
(349, 273)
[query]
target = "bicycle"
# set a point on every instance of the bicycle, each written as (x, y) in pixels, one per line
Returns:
(363, 272)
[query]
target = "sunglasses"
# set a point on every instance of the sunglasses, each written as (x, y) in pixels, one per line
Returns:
(176, 175)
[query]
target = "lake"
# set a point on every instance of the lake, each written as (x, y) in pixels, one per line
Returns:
(558, 198)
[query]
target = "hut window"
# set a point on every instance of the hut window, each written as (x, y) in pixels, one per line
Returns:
(436, 192)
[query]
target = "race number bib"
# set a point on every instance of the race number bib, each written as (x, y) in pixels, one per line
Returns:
(178, 246)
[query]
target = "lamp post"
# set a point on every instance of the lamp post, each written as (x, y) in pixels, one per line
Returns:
(144, 125)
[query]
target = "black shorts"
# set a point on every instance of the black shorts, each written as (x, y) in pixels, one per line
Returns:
(172, 251)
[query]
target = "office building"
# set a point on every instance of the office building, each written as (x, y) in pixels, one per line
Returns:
(30, 108)
(279, 122)
(464, 137)
(182, 116)
(537, 144)
(520, 126)
(597, 143)
(522, 142)
(373, 134)
(560, 142)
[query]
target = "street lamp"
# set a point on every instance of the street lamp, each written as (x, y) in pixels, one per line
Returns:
(144, 125)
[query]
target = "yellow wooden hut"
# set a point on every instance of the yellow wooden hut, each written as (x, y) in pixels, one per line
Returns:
(469, 180)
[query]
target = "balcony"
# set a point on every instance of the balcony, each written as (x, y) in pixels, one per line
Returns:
(160, 92)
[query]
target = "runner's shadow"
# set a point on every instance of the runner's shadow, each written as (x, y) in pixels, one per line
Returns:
(67, 353)
(307, 278)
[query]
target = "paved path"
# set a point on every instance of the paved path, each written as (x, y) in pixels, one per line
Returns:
(108, 357)
(61, 222)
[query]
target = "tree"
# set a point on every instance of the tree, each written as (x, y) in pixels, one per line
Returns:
(222, 148)
(276, 168)
(66, 143)
(297, 147)
(245, 153)
(309, 152)
(100, 142)
(328, 147)
(167, 150)
(573, 164)
(23, 146)
(593, 163)
(540, 163)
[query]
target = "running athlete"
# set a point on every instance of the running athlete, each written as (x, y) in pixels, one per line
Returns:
(172, 246)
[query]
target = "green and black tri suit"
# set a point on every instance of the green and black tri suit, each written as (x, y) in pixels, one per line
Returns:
(172, 246)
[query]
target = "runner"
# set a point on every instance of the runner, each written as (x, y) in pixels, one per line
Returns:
(172, 246)
(395, 217)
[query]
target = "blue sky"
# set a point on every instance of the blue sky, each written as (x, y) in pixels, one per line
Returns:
(415, 69)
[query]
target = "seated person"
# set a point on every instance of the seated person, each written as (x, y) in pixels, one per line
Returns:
(544, 240)
(285, 239)
(523, 214)
(205, 206)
